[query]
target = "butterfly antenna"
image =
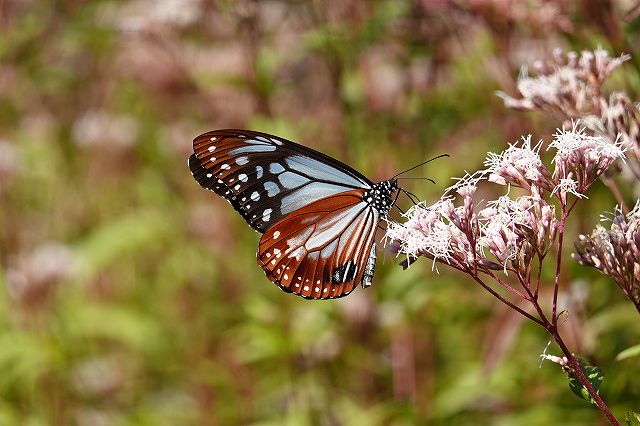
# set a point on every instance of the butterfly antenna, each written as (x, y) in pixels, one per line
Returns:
(421, 164)
(423, 178)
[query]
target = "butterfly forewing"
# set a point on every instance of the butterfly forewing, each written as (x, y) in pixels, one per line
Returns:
(321, 250)
(265, 177)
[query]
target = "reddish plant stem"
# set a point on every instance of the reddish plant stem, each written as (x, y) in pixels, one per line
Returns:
(536, 305)
(574, 364)
(538, 275)
(505, 285)
(556, 283)
(552, 327)
(505, 301)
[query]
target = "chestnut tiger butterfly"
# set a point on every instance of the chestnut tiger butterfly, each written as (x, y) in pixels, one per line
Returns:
(318, 216)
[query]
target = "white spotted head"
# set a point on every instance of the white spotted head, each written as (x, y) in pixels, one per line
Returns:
(380, 196)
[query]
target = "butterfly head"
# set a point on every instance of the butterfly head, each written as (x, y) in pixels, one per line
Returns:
(381, 195)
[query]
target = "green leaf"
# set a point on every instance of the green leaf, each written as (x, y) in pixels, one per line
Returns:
(594, 375)
(628, 353)
(632, 418)
(564, 315)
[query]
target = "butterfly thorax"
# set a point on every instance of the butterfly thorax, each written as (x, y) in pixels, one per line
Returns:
(380, 195)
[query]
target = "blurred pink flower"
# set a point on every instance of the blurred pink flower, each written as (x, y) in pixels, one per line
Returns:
(101, 128)
(568, 86)
(31, 276)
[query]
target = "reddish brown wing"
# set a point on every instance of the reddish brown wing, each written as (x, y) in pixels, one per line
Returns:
(321, 250)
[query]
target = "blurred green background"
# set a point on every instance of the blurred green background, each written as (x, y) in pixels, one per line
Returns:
(131, 296)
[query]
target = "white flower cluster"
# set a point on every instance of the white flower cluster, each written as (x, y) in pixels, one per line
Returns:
(508, 233)
(580, 159)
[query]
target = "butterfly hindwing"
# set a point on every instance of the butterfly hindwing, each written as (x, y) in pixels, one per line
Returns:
(266, 177)
(323, 249)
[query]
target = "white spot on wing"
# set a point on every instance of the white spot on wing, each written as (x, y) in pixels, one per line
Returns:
(252, 148)
(319, 170)
(266, 216)
(259, 171)
(271, 188)
(242, 177)
(255, 196)
(276, 168)
(276, 235)
(241, 161)
(225, 167)
(291, 180)
(297, 253)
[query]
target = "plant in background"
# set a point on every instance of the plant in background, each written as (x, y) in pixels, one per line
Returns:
(505, 244)
(615, 252)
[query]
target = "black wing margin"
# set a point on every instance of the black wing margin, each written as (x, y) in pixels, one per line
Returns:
(212, 183)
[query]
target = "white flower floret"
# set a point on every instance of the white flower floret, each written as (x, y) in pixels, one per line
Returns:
(567, 186)
(468, 181)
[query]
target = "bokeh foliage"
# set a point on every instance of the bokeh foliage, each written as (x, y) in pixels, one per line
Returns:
(130, 296)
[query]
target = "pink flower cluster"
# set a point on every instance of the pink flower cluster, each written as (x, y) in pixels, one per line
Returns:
(615, 252)
(507, 233)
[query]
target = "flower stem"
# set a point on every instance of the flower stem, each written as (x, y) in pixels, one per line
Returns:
(574, 364)
(556, 283)
(505, 301)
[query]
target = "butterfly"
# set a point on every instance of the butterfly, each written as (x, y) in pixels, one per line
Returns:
(318, 216)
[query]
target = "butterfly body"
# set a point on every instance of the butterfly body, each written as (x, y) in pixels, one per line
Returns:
(318, 216)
